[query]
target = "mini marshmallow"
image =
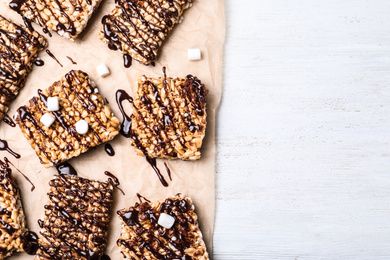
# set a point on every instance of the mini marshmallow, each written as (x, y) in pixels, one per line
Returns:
(47, 119)
(103, 70)
(82, 127)
(53, 104)
(94, 97)
(89, 91)
(166, 220)
(96, 90)
(194, 54)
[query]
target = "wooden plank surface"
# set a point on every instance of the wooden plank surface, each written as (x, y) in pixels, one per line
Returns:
(303, 167)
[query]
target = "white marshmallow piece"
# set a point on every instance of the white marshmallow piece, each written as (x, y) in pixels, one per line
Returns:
(53, 104)
(103, 70)
(93, 97)
(194, 54)
(166, 220)
(82, 127)
(47, 119)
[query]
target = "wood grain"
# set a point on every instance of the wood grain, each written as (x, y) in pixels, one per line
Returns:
(303, 169)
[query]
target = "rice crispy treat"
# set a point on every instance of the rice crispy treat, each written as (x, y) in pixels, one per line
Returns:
(12, 220)
(19, 47)
(76, 219)
(78, 100)
(143, 237)
(139, 27)
(68, 18)
(169, 117)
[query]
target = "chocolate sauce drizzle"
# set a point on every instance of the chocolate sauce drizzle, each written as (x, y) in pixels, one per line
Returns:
(154, 239)
(71, 60)
(8, 120)
(27, 179)
(127, 60)
(30, 243)
(39, 63)
(53, 57)
(4, 147)
(117, 32)
(126, 131)
(66, 169)
(76, 217)
(114, 181)
(168, 171)
(121, 96)
(140, 198)
(109, 150)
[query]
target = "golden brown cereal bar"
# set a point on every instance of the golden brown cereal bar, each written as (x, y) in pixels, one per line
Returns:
(139, 27)
(169, 117)
(66, 17)
(19, 47)
(76, 219)
(145, 237)
(78, 100)
(12, 220)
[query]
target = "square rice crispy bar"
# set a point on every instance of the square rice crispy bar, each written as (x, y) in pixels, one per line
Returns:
(169, 117)
(139, 27)
(142, 236)
(12, 220)
(68, 18)
(19, 47)
(76, 219)
(79, 100)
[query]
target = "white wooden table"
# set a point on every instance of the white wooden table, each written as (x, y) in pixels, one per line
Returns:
(303, 165)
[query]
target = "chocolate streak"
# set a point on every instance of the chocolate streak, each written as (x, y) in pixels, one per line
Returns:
(4, 147)
(126, 131)
(157, 237)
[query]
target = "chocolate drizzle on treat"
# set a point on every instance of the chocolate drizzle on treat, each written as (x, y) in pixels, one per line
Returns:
(53, 57)
(9, 185)
(75, 92)
(4, 147)
(18, 51)
(54, 11)
(109, 149)
(148, 237)
(141, 26)
(77, 207)
(126, 131)
(27, 179)
(8, 120)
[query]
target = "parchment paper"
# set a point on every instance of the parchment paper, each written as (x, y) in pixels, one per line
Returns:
(203, 27)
